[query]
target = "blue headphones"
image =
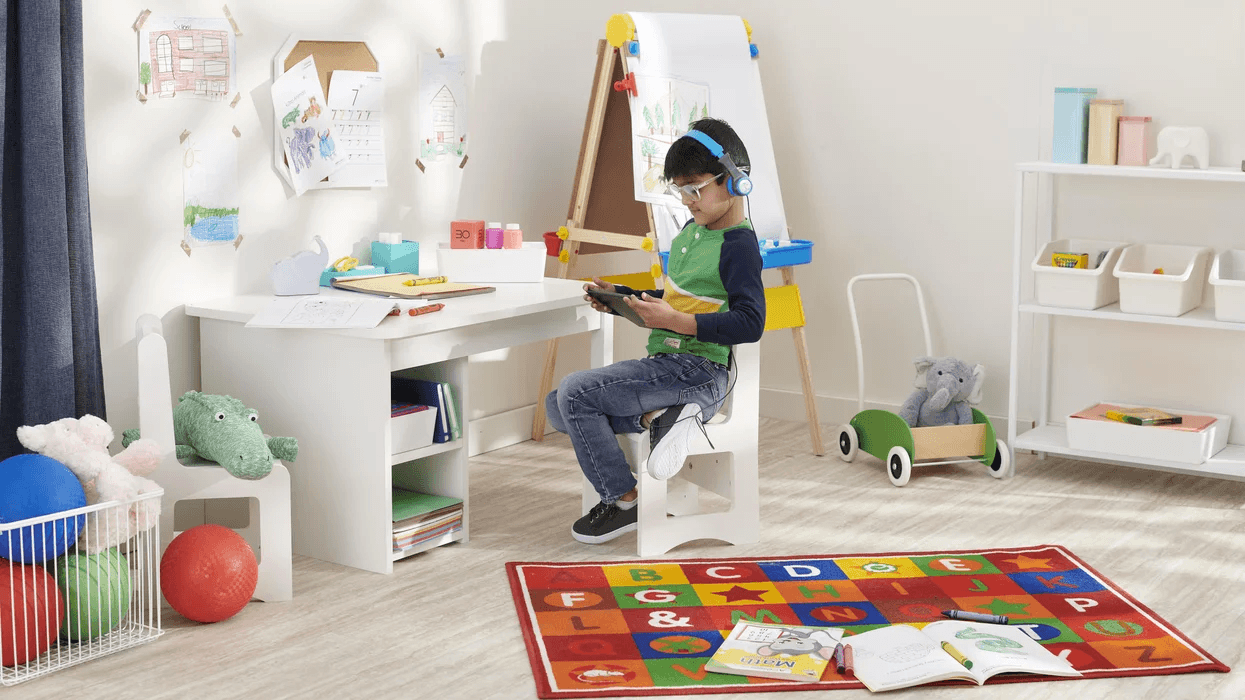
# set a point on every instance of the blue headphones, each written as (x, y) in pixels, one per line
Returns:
(737, 183)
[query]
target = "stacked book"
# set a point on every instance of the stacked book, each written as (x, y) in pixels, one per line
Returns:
(420, 517)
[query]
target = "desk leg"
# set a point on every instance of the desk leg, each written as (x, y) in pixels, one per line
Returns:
(546, 384)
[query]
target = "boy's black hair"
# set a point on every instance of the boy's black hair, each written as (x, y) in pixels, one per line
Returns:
(688, 157)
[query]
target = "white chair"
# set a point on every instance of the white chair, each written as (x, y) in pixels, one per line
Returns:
(269, 498)
(669, 510)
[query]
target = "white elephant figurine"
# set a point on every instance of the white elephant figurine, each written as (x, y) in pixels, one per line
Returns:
(1176, 142)
(300, 273)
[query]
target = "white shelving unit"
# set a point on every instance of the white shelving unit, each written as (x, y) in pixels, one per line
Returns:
(1052, 438)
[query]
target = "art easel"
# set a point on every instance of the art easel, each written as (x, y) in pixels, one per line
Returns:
(604, 216)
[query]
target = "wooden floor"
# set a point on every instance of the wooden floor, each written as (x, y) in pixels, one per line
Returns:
(444, 626)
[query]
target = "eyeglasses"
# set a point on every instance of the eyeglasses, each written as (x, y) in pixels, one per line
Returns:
(692, 192)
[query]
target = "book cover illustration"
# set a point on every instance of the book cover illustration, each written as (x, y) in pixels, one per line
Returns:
(1188, 422)
(1145, 416)
(776, 651)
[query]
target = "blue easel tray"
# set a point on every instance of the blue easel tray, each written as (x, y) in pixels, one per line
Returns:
(796, 252)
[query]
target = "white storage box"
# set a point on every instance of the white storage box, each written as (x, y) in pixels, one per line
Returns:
(1176, 291)
(1227, 277)
(413, 430)
(1072, 288)
(1150, 441)
(484, 265)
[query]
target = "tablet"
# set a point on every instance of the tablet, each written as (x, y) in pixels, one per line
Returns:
(614, 301)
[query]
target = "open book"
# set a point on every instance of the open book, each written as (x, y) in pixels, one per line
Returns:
(785, 652)
(900, 656)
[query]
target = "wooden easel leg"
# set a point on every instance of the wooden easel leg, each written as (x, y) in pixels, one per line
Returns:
(546, 383)
(806, 376)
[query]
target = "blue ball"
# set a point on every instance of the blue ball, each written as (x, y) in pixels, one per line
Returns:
(32, 485)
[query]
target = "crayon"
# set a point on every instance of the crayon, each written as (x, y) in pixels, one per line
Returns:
(849, 659)
(955, 654)
(840, 663)
(975, 617)
(426, 309)
(425, 280)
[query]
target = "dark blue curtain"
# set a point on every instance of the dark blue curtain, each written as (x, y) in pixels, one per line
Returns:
(49, 322)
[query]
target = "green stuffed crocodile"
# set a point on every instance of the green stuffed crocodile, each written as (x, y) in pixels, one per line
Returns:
(223, 430)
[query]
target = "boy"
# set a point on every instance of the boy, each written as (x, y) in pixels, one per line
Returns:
(713, 299)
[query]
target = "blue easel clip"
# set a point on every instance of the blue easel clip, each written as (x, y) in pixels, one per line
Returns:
(752, 48)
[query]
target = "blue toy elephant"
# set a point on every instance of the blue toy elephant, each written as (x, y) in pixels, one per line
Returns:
(945, 388)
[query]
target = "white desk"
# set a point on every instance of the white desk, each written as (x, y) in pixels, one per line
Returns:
(330, 389)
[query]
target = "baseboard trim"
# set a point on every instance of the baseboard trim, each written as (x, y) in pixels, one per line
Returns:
(507, 428)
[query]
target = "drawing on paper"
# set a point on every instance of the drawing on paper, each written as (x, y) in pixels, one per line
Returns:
(187, 57)
(210, 189)
(320, 312)
(664, 110)
(306, 132)
(443, 108)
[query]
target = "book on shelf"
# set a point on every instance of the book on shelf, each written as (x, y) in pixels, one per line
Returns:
(412, 504)
(901, 656)
(412, 538)
(455, 429)
(399, 408)
(785, 652)
(1105, 412)
(419, 517)
(428, 393)
(1144, 416)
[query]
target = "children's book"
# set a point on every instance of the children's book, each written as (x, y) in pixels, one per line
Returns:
(901, 656)
(1188, 422)
(455, 429)
(785, 652)
(427, 393)
(1144, 416)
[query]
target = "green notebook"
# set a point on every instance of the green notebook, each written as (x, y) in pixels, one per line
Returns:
(408, 504)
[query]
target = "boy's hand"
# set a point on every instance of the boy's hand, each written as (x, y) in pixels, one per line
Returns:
(601, 284)
(658, 313)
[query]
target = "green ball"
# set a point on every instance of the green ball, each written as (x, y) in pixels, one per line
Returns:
(97, 592)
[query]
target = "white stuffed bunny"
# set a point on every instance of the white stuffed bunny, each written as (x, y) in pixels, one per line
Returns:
(82, 445)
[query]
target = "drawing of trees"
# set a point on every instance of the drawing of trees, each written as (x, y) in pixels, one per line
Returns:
(648, 117)
(648, 149)
(659, 117)
(674, 117)
(144, 75)
(691, 117)
(704, 111)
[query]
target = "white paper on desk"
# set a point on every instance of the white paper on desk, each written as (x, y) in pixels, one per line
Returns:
(356, 101)
(315, 312)
(306, 132)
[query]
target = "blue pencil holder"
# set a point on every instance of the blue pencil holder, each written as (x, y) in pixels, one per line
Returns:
(396, 257)
(1070, 140)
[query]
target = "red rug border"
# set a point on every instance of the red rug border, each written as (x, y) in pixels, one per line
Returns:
(545, 692)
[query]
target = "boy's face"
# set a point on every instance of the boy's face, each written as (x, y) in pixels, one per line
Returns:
(714, 202)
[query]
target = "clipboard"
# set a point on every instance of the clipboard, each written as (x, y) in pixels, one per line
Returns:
(391, 286)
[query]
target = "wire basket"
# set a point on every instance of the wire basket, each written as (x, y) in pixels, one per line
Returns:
(78, 585)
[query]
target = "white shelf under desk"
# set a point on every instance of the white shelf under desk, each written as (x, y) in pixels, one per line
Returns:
(1052, 439)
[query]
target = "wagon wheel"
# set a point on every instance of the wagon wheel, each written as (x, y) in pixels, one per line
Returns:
(898, 466)
(849, 442)
(1001, 466)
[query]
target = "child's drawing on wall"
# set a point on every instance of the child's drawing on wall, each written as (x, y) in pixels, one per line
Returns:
(326, 144)
(210, 189)
(310, 153)
(182, 57)
(443, 108)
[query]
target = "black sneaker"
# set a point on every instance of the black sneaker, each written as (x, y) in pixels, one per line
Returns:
(604, 523)
(669, 438)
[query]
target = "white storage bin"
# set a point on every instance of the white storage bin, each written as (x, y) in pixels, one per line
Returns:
(484, 265)
(413, 430)
(1077, 289)
(1150, 441)
(1227, 278)
(1175, 292)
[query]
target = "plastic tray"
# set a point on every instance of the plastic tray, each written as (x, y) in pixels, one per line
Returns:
(1073, 288)
(797, 252)
(1173, 293)
(1227, 277)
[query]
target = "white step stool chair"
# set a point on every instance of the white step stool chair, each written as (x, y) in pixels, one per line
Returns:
(269, 497)
(669, 510)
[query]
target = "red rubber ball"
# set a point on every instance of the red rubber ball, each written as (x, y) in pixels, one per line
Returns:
(208, 573)
(31, 611)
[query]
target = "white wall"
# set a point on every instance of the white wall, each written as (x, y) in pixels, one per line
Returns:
(895, 127)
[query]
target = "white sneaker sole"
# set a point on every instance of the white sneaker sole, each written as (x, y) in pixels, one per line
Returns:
(601, 539)
(668, 456)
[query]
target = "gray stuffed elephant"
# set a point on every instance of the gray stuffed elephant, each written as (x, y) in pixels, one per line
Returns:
(945, 387)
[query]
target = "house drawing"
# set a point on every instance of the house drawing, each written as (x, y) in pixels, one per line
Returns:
(190, 60)
(444, 116)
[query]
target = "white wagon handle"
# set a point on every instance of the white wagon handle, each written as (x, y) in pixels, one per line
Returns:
(860, 354)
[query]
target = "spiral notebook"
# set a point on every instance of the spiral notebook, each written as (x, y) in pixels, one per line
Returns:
(392, 286)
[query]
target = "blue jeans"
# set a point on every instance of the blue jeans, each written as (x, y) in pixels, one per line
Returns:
(593, 405)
